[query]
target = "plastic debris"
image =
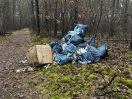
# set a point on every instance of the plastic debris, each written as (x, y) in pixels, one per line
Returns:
(24, 61)
(62, 59)
(72, 47)
(27, 69)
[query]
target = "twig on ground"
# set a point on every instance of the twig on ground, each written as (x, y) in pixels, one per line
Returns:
(108, 83)
(112, 91)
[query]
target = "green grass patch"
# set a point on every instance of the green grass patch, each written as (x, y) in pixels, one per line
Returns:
(14, 32)
(37, 39)
(2, 39)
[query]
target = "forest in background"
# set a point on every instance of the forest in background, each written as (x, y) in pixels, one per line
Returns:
(109, 21)
(106, 18)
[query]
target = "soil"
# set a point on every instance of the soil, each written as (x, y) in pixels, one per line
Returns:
(12, 84)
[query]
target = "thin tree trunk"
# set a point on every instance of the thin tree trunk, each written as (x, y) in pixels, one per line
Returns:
(75, 13)
(37, 16)
(32, 14)
(131, 41)
(111, 30)
(125, 19)
(101, 5)
(55, 18)
(63, 16)
(131, 35)
(46, 20)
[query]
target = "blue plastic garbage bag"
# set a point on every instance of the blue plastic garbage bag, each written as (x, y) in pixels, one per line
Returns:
(86, 58)
(72, 37)
(75, 39)
(70, 49)
(102, 49)
(52, 44)
(91, 41)
(95, 53)
(62, 59)
(66, 37)
(82, 45)
(57, 48)
(81, 29)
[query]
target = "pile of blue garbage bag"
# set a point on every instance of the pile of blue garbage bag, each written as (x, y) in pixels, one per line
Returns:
(73, 47)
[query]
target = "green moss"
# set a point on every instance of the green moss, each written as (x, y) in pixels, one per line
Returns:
(56, 97)
(113, 72)
(110, 53)
(106, 77)
(93, 77)
(53, 75)
(127, 71)
(39, 86)
(2, 39)
(84, 70)
(126, 82)
(38, 73)
(65, 79)
(130, 52)
(128, 55)
(130, 91)
(124, 51)
(75, 94)
(104, 72)
(95, 66)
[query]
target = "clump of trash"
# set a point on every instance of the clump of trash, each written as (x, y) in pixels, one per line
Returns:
(73, 48)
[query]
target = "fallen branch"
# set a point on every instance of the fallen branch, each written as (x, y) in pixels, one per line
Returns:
(108, 83)
(112, 92)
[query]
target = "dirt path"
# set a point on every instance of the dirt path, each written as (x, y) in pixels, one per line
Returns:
(11, 84)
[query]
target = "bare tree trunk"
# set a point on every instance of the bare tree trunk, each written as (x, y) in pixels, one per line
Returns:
(111, 30)
(131, 41)
(75, 12)
(13, 13)
(55, 18)
(32, 14)
(101, 5)
(37, 16)
(46, 20)
(125, 19)
(131, 35)
(63, 16)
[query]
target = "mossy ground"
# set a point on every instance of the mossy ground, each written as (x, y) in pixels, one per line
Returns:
(38, 39)
(76, 81)
(2, 39)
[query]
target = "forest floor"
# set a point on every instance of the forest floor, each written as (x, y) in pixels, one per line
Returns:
(111, 77)
(11, 53)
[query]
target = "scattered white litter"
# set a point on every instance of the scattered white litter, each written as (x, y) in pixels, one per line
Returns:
(28, 69)
(24, 61)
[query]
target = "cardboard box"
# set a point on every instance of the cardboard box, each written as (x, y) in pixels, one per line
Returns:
(39, 55)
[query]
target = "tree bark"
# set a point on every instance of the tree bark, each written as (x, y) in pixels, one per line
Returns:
(111, 30)
(63, 16)
(37, 16)
(125, 19)
(32, 14)
(55, 18)
(131, 41)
